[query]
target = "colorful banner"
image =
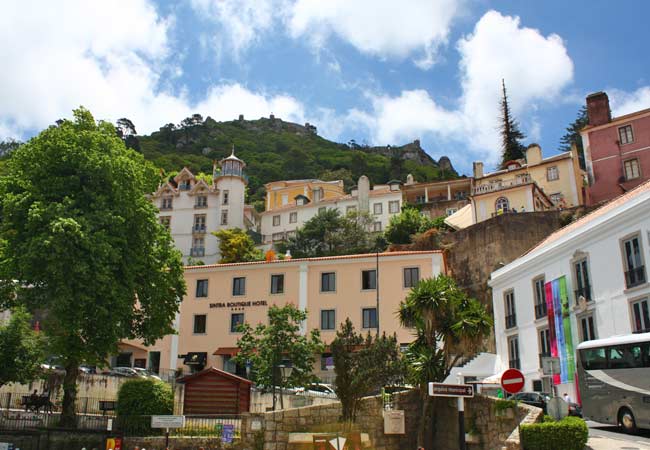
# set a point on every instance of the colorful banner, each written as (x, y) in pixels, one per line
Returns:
(559, 324)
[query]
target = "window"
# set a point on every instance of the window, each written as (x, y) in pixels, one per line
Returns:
(199, 323)
(625, 134)
(277, 236)
(511, 316)
(587, 329)
(625, 357)
(540, 298)
(593, 358)
(276, 221)
(201, 201)
(198, 247)
(225, 197)
(236, 319)
(582, 280)
(201, 288)
(502, 204)
(377, 208)
(350, 209)
(326, 361)
(556, 198)
(641, 316)
(165, 221)
(631, 167)
(544, 342)
(199, 223)
(369, 317)
(185, 185)
(420, 199)
(451, 211)
(224, 217)
(239, 286)
(368, 279)
(293, 217)
(277, 284)
(328, 319)
(285, 199)
(393, 206)
(634, 268)
(166, 203)
(376, 227)
(411, 277)
(328, 282)
(513, 352)
(552, 173)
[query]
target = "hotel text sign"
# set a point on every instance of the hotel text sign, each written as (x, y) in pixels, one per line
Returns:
(238, 304)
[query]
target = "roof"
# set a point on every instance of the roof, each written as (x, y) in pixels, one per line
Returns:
(215, 371)
(322, 258)
(564, 155)
(616, 120)
(232, 157)
(616, 340)
(329, 201)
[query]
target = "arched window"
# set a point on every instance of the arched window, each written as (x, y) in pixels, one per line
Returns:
(502, 204)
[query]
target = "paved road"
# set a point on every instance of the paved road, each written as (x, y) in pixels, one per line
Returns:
(608, 437)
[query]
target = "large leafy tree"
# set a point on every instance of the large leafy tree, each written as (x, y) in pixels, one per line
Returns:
(236, 245)
(511, 135)
(267, 346)
(21, 349)
(81, 241)
(403, 226)
(572, 136)
(363, 365)
(448, 326)
(126, 131)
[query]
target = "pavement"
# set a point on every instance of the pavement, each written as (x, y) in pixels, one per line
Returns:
(608, 437)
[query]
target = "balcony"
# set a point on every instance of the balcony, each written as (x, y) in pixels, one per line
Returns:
(540, 310)
(200, 205)
(501, 185)
(515, 363)
(197, 251)
(635, 277)
(511, 321)
(166, 207)
(583, 291)
(198, 229)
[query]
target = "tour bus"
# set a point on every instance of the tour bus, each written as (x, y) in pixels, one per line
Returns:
(614, 380)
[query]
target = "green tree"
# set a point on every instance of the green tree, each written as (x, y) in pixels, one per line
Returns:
(265, 347)
(83, 243)
(448, 326)
(126, 131)
(236, 245)
(511, 135)
(363, 366)
(329, 233)
(21, 349)
(403, 226)
(572, 136)
(8, 146)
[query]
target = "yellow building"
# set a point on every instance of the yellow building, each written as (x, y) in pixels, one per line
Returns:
(283, 193)
(530, 184)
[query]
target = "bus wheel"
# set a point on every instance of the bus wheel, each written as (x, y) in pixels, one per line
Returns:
(626, 421)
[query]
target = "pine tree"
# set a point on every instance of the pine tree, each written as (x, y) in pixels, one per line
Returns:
(572, 135)
(511, 135)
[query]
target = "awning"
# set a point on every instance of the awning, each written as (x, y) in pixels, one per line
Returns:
(195, 359)
(462, 218)
(226, 351)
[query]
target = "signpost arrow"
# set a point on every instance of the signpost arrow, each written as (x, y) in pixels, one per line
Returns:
(451, 390)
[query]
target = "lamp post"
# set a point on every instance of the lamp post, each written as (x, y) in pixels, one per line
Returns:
(285, 373)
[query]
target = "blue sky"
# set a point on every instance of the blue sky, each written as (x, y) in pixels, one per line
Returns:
(377, 71)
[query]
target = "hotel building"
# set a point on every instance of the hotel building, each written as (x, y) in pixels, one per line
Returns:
(331, 289)
(587, 280)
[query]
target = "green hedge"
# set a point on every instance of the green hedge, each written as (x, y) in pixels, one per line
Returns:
(144, 397)
(570, 433)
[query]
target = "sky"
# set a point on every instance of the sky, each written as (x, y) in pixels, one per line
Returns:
(377, 71)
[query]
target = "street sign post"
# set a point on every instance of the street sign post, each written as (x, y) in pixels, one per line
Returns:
(461, 392)
(512, 381)
(167, 422)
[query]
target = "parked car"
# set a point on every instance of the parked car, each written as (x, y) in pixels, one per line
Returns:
(538, 399)
(319, 390)
(575, 409)
(126, 372)
(146, 373)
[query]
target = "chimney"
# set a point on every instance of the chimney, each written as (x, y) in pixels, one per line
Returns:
(363, 192)
(533, 155)
(410, 179)
(478, 169)
(598, 110)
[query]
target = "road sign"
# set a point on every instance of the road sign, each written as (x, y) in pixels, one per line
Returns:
(451, 390)
(557, 408)
(550, 365)
(167, 421)
(512, 381)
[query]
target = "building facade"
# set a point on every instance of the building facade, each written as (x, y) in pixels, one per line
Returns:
(331, 289)
(292, 203)
(192, 208)
(587, 280)
(617, 149)
(437, 198)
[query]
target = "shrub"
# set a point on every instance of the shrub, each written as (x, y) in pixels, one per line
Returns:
(570, 433)
(502, 405)
(144, 397)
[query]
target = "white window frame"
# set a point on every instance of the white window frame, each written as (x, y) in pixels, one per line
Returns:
(293, 217)
(377, 208)
(393, 207)
(627, 164)
(552, 173)
(277, 220)
(627, 138)
(644, 315)
(584, 320)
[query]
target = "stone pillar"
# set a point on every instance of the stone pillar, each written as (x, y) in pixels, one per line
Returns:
(448, 192)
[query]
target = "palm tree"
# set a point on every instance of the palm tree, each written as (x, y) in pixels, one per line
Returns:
(448, 326)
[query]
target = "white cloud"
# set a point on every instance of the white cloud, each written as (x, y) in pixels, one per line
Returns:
(382, 28)
(112, 60)
(628, 102)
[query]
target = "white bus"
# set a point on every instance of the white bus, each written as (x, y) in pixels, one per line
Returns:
(614, 380)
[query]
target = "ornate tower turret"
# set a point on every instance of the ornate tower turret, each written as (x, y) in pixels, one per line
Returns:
(231, 183)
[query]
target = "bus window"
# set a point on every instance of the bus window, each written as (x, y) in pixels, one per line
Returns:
(625, 357)
(594, 359)
(645, 349)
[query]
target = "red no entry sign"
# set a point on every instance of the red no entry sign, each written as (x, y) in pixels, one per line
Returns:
(512, 381)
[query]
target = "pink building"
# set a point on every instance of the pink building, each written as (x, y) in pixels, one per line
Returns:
(617, 149)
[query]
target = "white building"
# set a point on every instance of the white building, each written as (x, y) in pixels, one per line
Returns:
(192, 209)
(281, 220)
(585, 281)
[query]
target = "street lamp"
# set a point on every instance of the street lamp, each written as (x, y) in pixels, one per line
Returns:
(285, 373)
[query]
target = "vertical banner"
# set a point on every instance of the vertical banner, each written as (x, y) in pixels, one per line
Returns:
(568, 338)
(559, 324)
(551, 325)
